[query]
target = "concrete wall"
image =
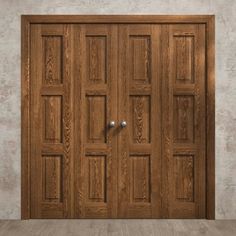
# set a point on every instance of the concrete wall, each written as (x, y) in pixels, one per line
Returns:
(10, 11)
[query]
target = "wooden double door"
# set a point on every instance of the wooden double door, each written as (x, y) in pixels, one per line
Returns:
(117, 121)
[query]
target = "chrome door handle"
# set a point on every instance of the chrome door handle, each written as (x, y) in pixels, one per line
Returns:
(112, 124)
(123, 124)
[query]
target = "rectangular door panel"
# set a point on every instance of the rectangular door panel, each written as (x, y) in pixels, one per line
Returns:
(184, 177)
(95, 57)
(140, 179)
(95, 118)
(139, 119)
(139, 143)
(139, 59)
(183, 56)
(52, 175)
(183, 121)
(52, 59)
(96, 179)
(52, 118)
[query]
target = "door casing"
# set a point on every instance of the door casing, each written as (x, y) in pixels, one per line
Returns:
(207, 20)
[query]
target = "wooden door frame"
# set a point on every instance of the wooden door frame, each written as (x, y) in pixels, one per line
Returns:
(208, 20)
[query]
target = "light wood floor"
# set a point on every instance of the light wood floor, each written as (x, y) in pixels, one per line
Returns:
(117, 227)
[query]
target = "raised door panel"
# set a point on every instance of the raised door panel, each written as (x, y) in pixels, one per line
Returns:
(52, 175)
(139, 119)
(139, 143)
(52, 119)
(184, 177)
(95, 56)
(183, 121)
(51, 122)
(183, 46)
(139, 60)
(96, 119)
(52, 59)
(140, 179)
(96, 178)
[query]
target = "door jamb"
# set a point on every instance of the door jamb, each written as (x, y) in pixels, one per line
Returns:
(208, 20)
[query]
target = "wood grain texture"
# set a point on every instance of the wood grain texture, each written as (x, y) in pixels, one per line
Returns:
(96, 179)
(183, 119)
(184, 179)
(139, 119)
(52, 175)
(96, 58)
(52, 54)
(52, 119)
(210, 113)
(111, 19)
(95, 157)
(36, 114)
(151, 71)
(139, 60)
(143, 125)
(95, 118)
(25, 118)
(140, 178)
(52, 115)
(165, 120)
(184, 58)
(184, 125)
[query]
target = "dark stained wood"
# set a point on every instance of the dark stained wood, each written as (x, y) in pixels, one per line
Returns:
(153, 168)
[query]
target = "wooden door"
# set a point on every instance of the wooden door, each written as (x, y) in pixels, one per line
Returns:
(183, 121)
(150, 80)
(95, 57)
(51, 122)
(139, 143)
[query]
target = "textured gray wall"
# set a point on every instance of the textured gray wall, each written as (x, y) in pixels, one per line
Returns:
(10, 11)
